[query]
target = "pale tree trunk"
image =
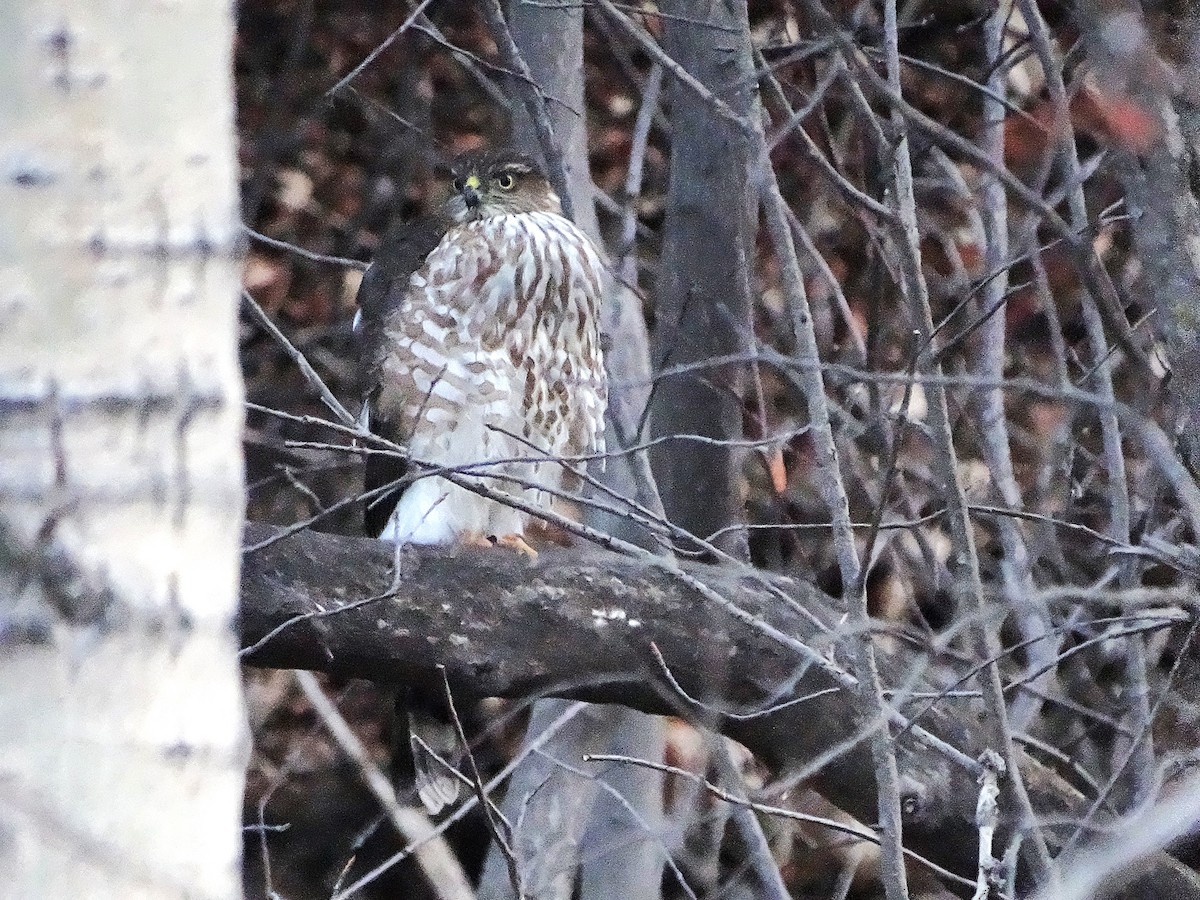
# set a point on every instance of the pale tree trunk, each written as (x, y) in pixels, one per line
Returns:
(121, 731)
(564, 815)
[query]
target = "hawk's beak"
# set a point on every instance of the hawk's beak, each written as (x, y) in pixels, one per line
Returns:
(470, 191)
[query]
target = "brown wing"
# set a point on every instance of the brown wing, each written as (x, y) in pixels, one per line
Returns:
(402, 251)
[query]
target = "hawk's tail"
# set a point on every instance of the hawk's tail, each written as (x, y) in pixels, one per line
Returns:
(434, 748)
(424, 761)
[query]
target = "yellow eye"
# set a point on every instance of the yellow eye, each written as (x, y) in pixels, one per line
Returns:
(505, 181)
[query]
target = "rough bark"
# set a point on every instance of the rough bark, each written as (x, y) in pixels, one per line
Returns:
(122, 738)
(575, 624)
(702, 299)
(580, 624)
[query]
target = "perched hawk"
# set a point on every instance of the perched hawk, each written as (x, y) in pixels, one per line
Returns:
(480, 331)
(479, 337)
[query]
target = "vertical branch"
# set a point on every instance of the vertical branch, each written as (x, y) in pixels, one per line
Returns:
(1018, 586)
(561, 815)
(550, 42)
(853, 574)
(965, 560)
(532, 98)
(442, 870)
(762, 861)
(627, 263)
(702, 298)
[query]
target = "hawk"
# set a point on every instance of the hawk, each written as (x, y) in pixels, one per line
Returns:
(479, 331)
(480, 343)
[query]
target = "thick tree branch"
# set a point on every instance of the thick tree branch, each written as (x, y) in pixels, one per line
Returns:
(584, 624)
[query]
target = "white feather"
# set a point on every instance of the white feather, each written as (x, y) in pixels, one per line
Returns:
(434, 330)
(435, 511)
(421, 517)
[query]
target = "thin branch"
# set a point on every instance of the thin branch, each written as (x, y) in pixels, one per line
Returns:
(1016, 572)
(465, 807)
(309, 373)
(634, 814)
(664, 59)
(501, 830)
(725, 796)
(1114, 457)
(306, 254)
(1112, 860)
(833, 493)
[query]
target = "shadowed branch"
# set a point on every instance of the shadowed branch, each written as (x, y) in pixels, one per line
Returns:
(593, 625)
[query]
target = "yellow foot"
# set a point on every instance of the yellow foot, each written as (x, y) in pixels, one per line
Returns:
(547, 533)
(474, 539)
(514, 542)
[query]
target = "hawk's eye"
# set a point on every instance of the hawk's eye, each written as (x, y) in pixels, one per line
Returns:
(457, 184)
(505, 181)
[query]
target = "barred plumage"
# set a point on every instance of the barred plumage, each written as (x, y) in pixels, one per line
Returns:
(490, 350)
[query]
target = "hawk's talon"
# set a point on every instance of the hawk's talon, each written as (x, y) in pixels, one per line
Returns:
(476, 539)
(514, 542)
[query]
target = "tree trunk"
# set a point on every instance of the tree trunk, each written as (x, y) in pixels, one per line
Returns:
(121, 730)
(702, 301)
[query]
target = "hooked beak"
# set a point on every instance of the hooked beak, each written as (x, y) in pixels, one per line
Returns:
(470, 191)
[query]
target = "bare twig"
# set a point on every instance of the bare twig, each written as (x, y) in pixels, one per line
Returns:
(762, 861)
(721, 794)
(374, 54)
(1114, 456)
(306, 254)
(990, 405)
(634, 814)
(834, 494)
(1112, 860)
(310, 374)
(639, 140)
(471, 63)
(651, 47)
(463, 808)
(501, 830)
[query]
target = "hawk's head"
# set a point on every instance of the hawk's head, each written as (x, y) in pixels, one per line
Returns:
(496, 182)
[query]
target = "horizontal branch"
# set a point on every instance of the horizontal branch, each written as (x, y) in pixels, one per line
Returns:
(592, 625)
